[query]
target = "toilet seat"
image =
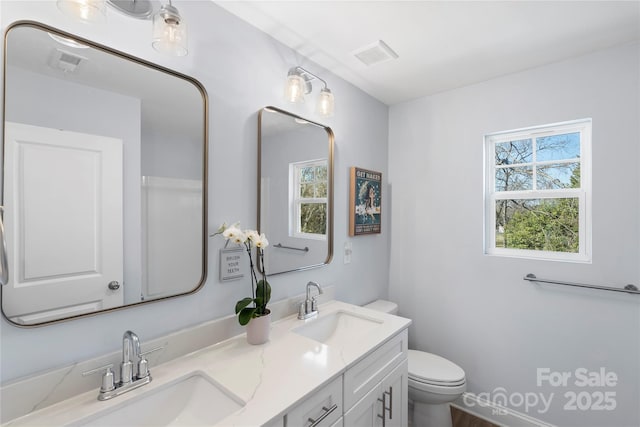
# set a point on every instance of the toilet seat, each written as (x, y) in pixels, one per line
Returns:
(427, 369)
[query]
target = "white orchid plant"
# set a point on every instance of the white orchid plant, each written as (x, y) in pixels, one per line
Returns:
(256, 305)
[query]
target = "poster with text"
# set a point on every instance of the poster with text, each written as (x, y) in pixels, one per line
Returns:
(364, 202)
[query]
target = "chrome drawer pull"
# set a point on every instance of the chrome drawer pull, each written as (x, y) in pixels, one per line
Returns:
(384, 408)
(327, 411)
(390, 408)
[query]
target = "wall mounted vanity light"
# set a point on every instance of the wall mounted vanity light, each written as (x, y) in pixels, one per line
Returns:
(169, 29)
(299, 84)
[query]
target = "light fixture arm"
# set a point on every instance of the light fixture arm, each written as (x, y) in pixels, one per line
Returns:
(139, 9)
(307, 75)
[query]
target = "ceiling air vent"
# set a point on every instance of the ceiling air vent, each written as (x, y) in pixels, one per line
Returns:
(65, 61)
(375, 53)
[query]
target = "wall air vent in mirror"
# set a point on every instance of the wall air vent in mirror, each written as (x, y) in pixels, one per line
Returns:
(64, 61)
(104, 179)
(295, 197)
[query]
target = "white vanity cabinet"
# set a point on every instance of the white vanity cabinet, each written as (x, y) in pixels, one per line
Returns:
(322, 409)
(356, 379)
(375, 389)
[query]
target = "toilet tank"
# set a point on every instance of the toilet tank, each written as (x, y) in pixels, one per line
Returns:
(383, 305)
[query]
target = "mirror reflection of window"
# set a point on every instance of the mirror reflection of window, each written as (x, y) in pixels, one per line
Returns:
(308, 218)
(295, 197)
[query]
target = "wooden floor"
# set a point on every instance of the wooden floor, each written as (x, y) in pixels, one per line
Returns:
(461, 418)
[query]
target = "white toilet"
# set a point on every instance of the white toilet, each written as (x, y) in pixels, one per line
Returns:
(433, 382)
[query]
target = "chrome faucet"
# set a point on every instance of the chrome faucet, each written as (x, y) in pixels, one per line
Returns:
(131, 356)
(309, 307)
(130, 347)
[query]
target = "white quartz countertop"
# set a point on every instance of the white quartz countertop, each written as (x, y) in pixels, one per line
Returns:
(268, 378)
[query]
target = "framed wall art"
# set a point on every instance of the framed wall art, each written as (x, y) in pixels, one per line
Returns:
(364, 202)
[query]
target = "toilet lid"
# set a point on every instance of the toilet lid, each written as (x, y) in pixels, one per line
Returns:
(433, 369)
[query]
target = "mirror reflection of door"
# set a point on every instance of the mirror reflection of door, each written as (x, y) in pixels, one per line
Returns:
(57, 81)
(61, 263)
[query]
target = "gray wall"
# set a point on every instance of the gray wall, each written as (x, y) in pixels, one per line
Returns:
(475, 309)
(242, 70)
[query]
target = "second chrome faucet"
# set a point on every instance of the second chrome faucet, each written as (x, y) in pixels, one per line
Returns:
(309, 307)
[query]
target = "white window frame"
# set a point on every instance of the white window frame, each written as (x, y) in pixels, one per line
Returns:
(296, 201)
(583, 194)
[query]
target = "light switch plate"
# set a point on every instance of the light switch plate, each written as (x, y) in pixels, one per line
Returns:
(348, 250)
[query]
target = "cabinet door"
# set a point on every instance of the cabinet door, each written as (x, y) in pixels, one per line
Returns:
(395, 390)
(367, 412)
(367, 373)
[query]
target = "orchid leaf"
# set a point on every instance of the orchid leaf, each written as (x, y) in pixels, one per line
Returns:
(263, 293)
(246, 314)
(240, 305)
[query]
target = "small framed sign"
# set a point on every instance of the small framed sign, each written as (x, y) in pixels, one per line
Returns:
(232, 264)
(365, 199)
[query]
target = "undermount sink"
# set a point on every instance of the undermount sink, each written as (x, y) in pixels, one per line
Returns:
(337, 327)
(194, 400)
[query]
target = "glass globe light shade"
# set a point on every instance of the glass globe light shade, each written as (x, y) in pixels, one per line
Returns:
(169, 32)
(326, 103)
(84, 10)
(295, 88)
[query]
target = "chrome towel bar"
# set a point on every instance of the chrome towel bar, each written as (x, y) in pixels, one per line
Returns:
(281, 246)
(629, 289)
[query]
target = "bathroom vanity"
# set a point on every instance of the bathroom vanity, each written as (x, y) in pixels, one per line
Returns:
(347, 366)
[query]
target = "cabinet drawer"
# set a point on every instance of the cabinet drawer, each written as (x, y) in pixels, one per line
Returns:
(276, 422)
(366, 374)
(327, 399)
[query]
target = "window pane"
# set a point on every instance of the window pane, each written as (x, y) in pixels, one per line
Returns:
(513, 152)
(306, 174)
(306, 190)
(321, 189)
(538, 224)
(313, 218)
(558, 147)
(514, 179)
(321, 173)
(550, 177)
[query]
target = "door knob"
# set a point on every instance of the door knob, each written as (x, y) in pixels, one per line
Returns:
(114, 285)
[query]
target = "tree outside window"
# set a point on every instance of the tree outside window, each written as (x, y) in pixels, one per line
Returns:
(309, 219)
(537, 192)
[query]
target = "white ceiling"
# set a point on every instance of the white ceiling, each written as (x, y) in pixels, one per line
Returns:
(179, 103)
(441, 44)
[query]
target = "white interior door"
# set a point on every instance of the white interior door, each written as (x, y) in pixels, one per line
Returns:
(63, 223)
